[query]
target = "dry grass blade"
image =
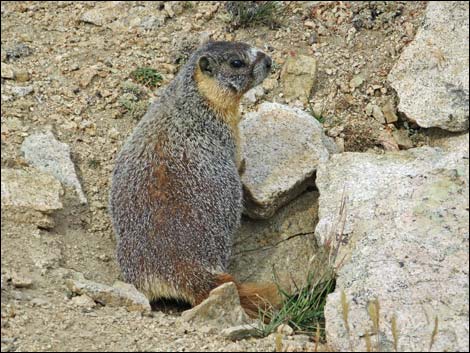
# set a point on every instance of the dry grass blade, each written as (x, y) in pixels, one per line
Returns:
(368, 342)
(317, 338)
(395, 332)
(434, 332)
(278, 342)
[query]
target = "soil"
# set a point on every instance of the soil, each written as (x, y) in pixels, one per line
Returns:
(80, 73)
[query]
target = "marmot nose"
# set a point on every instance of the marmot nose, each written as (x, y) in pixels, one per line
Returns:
(268, 63)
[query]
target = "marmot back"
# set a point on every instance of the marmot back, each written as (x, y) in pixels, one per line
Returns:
(176, 195)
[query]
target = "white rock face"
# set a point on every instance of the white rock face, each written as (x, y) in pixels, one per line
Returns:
(282, 147)
(44, 152)
(431, 76)
(406, 227)
(29, 196)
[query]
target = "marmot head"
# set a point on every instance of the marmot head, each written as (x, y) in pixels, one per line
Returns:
(234, 66)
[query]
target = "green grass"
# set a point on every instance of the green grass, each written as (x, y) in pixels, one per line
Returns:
(250, 13)
(316, 115)
(94, 163)
(146, 76)
(304, 309)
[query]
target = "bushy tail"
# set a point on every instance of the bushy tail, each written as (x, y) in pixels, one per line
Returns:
(254, 296)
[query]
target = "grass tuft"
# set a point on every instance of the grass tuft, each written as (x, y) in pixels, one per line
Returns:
(253, 13)
(303, 310)
(146, 76)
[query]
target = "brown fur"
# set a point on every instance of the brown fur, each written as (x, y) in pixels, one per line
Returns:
(253, 296)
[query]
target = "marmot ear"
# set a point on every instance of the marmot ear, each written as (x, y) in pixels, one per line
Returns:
(206, 65)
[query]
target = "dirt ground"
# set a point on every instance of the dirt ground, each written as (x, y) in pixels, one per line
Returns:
(80, 75)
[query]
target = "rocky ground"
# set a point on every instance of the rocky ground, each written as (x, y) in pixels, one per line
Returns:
(67, 91)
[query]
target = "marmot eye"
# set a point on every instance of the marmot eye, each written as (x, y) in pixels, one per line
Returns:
(237, 63)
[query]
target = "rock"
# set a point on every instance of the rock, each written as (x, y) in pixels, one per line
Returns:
(44, 152)
(285, 330)
(278, 245)
(17, 51)
(101, 15)
(282, 147)
(431, 76)
(405, 235)
(253, 95)
(168, 8)
(389, 113)
(309, 24)
(300, 343)
(47, 255)
(120, 294)
(402, 138)
(298, 77)
(21, 91)
(86, 76)
(41, 302)
(387, 141)
(29, 196)
(22, 76)
(152, 22)
(376, 112)
(7, 71)
(339, 141)
(439, 138)
(241, 332)
(83, 301)
(313, 39)
(20, 280)
(356, 81)
(269, 84)
(220, 310)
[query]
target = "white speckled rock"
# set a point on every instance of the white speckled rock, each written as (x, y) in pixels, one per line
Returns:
(44, 152)
(406, 229)
(431, 76)
(29, 196)
(120, 294)
(282, 147)
(220, 310)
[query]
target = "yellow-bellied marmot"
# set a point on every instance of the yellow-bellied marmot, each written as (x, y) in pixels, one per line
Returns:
(176, 195)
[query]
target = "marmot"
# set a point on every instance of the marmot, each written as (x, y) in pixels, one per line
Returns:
(176, 195)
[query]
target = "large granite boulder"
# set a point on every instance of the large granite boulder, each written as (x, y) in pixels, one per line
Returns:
(405, 243)
(282, 147)
(431, 76)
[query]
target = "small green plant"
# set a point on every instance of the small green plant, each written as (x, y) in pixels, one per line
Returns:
(146, 76)
(304, 309)
(317, 115)
(134, 89)
(187, 5)
(93, 163)
(252, 13)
